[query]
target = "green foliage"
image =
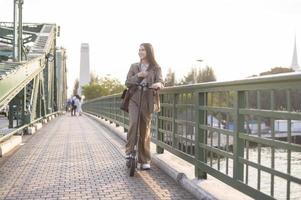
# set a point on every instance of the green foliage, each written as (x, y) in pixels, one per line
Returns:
(199, 76)
(190, 78)
(94, 79)
(92, 91)
(111, 86)
(170, 78)
(206, 75)
(99, 87)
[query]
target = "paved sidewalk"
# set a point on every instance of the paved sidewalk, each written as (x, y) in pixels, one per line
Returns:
(76, 158)
(183, 171)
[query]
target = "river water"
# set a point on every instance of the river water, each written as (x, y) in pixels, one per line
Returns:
(280, 185)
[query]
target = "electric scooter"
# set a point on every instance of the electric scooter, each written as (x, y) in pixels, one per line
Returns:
(133, 160)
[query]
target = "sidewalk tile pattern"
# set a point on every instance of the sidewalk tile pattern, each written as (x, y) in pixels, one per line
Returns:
(76, 158)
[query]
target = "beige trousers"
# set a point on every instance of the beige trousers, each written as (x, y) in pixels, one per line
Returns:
(144, 127)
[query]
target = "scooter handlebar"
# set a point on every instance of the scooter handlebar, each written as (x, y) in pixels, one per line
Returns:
(146, 85)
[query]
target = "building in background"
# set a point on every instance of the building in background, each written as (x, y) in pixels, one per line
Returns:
(84, 76)
(295, 66)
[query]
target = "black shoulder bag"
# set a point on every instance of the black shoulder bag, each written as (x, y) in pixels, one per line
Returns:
(125, 98)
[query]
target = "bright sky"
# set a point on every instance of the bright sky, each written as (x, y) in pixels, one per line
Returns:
(238, 38)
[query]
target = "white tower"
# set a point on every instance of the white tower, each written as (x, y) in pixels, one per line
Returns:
(295, 66)
(84, 76)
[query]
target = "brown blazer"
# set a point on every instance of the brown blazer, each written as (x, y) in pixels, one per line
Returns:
(151, 97)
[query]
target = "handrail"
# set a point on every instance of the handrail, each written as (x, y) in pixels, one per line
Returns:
(283, 77)
(223, 128)
(25, 126)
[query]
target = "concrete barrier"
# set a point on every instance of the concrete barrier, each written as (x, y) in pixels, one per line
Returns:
(9, 144)
(31, 130)
(38, 126)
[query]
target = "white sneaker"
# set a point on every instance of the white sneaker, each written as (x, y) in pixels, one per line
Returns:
(145, 166)
(128, 156)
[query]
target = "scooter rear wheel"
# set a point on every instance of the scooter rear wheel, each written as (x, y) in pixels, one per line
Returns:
(128, 163)
(132, 166)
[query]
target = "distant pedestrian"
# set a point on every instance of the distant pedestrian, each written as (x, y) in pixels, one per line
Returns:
(147, 71)
(78, 104)
(73, 106)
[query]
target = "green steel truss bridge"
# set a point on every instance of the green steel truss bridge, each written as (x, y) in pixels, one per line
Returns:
(35, 86)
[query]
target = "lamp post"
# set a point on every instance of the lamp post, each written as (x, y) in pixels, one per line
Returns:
(18, 31)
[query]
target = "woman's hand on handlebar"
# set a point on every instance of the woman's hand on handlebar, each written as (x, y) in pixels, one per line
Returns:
(157, 86)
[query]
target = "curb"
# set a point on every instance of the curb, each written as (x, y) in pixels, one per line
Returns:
(10, 144)
(179, 177)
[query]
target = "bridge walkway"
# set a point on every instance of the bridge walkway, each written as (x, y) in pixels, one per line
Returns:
(77, 158)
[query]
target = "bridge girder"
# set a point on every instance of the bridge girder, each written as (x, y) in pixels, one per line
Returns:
(30, 87)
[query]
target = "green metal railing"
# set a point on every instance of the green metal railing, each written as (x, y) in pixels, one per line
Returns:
(22, 128)
(246, 133)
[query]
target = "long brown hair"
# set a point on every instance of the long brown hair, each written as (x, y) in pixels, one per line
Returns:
(150, 55)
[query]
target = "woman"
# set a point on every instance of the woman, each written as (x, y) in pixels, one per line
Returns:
(147, 71)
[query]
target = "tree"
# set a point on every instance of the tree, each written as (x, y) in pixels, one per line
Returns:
(75, 87)
(111, 85)
(92, 91)
(190, 78)
(206, 75)
(170, 78)
(94, 78)
(277, 70)
(102, 87)
(199, 76)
